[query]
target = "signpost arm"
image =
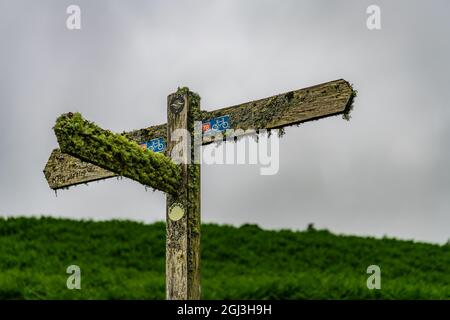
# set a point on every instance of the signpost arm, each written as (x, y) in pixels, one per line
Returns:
(183, 209)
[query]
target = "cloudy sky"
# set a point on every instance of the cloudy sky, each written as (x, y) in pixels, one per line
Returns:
(386, 172)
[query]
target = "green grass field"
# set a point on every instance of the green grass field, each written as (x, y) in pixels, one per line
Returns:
(125, 260)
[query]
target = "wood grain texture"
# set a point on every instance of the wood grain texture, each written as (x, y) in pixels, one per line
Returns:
(282, 110)
(183, 235)
(290, 108)
(64, 170)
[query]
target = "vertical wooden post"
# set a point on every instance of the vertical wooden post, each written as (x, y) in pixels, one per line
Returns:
(183, 210)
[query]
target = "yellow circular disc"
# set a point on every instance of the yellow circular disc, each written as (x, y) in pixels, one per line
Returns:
(176, 212)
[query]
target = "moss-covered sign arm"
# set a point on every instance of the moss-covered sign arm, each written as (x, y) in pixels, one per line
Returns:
(114, 152)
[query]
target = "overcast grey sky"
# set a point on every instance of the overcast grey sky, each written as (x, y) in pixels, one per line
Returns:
(386, 172)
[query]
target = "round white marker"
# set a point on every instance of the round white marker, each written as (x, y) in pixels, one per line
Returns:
(176, 212)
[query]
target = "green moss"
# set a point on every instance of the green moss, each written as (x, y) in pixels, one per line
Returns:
(193, 187)
(349, 108)
(114, 152)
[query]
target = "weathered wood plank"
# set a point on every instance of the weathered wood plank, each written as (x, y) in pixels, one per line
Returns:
(64, 170)
(286, 109)
(114, 152)
(183, 209)
(290, 108)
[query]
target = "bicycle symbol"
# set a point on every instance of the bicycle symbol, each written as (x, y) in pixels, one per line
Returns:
(156, 145)
(221, 124)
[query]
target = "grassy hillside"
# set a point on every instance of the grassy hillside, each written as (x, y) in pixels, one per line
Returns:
(125, 260)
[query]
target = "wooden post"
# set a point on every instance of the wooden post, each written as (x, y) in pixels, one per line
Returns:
(183, 210)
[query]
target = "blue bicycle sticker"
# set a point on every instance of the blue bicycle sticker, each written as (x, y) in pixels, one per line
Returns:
(219, 124)
(155, 145)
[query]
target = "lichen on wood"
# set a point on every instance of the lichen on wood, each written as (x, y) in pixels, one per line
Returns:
(114, 152)
(350, 105)
(290, 108)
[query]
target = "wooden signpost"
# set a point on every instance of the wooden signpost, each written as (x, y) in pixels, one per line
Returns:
(162, 158)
